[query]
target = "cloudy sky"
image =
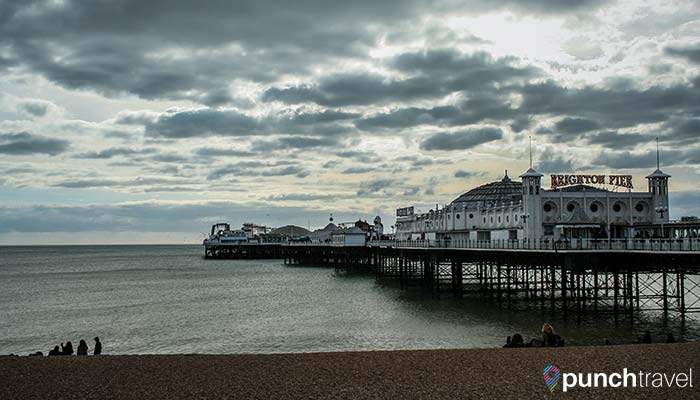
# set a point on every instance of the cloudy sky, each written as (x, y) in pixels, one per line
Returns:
(147, 121)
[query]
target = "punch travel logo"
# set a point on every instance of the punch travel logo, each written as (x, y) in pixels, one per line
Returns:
(551, 377)
(625, 379)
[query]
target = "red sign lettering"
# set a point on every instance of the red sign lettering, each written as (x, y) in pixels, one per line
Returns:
(557, 181)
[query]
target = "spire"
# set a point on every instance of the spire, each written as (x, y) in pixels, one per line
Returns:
(530, 171)
(658, 173)
(506, 178)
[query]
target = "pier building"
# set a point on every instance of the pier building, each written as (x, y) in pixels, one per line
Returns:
(574, 207)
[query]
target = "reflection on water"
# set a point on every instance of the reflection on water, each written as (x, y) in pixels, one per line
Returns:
(168, 299)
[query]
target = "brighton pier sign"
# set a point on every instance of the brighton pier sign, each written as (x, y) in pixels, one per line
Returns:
(558, 181)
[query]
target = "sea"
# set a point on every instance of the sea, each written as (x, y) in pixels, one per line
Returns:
(170, 299)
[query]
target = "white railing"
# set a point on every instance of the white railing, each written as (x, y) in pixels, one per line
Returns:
(686, 244)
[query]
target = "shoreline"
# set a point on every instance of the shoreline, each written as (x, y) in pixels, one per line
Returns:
(448, 373)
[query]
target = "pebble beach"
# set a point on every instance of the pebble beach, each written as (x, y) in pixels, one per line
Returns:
(417, 374)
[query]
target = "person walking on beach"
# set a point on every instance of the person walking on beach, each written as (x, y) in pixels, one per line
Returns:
(98, 346)
(82, 348)
(67, 350)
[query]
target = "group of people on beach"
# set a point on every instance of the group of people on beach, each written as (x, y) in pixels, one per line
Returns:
(67, 350)
(549, 339)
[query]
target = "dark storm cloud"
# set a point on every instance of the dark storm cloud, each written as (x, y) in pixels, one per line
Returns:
(209, 152)
(186, 123)
(461, 140)
(690, 53)
(480, 107)
(364, 157)
(184, 50)
(382, 188)
(682, 131)
(375, 186)
(647, 159)
(87, 183)
(467, 174)
(612, 107)
(436, 73)
(463, 71)
(617, 140)
(258, 168)
(357, 170)
(355, 89)
(416, 161)
(115, 151)
(24, 143)
(116, 47)
(294, 143)
(113, 183)
(202, 122)
(549, 162)
(408, 117)
(576, 125)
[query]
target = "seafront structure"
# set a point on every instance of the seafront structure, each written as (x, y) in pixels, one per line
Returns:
(575, 207)
(577, 246)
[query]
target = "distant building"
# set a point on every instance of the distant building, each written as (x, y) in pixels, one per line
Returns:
(349, 237)
(323, 235)
(253, 231)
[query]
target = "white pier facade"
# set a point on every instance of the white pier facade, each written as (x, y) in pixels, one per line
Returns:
(572, 209)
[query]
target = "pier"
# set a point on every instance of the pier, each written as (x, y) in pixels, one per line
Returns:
(619, 278)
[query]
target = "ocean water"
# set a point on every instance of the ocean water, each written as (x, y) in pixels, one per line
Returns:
(169, 299)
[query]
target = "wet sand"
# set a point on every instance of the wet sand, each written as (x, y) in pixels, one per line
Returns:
(422, 374)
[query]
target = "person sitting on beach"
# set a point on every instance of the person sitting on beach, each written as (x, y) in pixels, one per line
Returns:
(515, 341)
(82, 348)
(67, 350)
(670, 338)
(549, 337)
(55, 351)
(647, 337)
(98, 346)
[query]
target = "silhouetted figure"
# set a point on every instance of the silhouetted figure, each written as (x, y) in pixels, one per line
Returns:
(670, 338)
(55, 351)
(82, 348)
(647, 337)
(98, 346)
(608, 342)
(517, 341)
(549, 337)
(507, 342)
(67, 350)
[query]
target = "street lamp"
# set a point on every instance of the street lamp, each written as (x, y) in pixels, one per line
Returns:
(661, 210)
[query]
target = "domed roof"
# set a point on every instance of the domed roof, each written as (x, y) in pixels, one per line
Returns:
(503, 191)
